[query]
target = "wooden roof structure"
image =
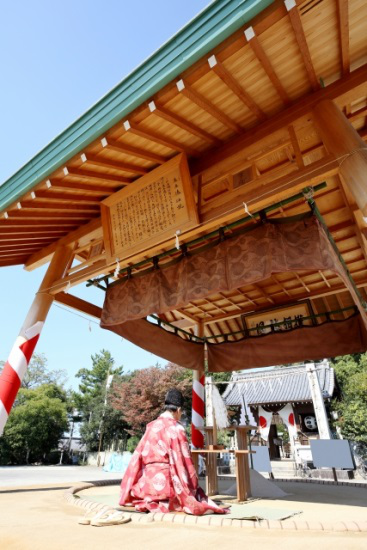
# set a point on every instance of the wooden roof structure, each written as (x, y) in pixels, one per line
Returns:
(235, 92)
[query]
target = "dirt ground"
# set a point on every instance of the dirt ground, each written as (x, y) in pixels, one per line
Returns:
(325, 503)
(39, 519)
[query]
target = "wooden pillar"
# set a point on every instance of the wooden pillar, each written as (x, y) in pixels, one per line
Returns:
(21, 353)
(343, 141)
(198, 405)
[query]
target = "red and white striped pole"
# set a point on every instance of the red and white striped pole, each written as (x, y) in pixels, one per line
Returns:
(14, 370)
(198, 402)
(198, 410)
(21, 353)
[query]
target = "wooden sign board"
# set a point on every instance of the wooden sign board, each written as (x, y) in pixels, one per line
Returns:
(150, 210)
(279, 319)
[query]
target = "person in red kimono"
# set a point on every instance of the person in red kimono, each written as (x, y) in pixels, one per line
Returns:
(161, 476)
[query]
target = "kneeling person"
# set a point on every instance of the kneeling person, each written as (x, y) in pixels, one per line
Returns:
(161, 475)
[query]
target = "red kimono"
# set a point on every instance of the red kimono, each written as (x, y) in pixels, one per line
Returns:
(161, 476)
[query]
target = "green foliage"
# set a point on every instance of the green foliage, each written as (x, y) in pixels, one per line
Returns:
(35, 425)
(100, 421)
(38, 373)
(351, 374)
(132, 443)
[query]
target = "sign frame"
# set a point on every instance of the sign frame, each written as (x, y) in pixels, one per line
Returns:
(251, 320)
(177, 163)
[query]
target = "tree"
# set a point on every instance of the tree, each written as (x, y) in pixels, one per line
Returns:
(141, 399)
(38, 373)
(94, 404)
(35, 425)
(351, 374)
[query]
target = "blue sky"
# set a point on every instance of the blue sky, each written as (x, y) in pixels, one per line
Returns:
(56, 60)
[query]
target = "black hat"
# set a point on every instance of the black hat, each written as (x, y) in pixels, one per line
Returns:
(174, 397)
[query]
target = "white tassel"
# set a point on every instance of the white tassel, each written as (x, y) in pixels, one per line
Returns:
(178, 232)
(220, 409)
(117, 270)
(247, 210)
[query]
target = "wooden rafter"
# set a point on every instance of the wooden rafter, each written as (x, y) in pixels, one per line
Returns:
(231, 83)
(280, 120)
(89, 175)
(36, 214)
(208, 106)
(9, 233)
(60, 206)
(159, 138)
(343, 20)
(75, 197)
(125, 149)
(95, 160)
(107, 188)
(299, 34)
(182, 123)
(266, 65)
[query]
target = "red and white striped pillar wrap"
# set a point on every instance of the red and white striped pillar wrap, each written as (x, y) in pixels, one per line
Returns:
(15, 368)
(198, 410)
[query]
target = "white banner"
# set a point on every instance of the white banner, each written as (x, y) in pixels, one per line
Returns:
(287, 415)
(264, 423)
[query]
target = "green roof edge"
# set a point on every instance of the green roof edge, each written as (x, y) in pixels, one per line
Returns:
(209, 28)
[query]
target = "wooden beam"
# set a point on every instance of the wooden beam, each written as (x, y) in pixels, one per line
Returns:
(263, 293)
(20, 224)
(120, 147)
(296, 147)
(89, 175)
(343, 141)
(343, 21)
(10, 233)
(231, 83)
(150, 135)
(182, 123)
(35, 241)
(36, 214)
(207, 106)
(55, 195)
(299, 34)
(16, 249)
(258, 196)
(80, 305)
(107, 188)
(215, 157)
(60, 206)
(183, 323)
(92, 230)
(95, 160)
(266, 65)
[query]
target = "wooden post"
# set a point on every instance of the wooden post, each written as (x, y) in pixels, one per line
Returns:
(211, 433)
(244, 484)
(198, 406)
(21, 353)
(343, 141)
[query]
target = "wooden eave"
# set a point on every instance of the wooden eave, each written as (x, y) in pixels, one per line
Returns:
(243, 116)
